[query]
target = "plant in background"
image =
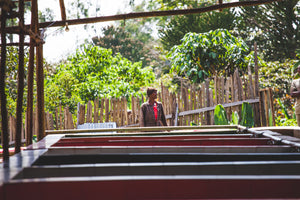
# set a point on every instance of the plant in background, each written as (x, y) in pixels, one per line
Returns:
(247, 119)
(235, 118)
(202, 55)
(220, 116)
(94, 72)
(279, 76)
(247, 115)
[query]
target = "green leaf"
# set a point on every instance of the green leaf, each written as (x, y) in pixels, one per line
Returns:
(247, 115)
(220, 116)
(235, 118)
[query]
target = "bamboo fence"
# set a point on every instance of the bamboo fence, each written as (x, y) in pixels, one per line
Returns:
(194, 104)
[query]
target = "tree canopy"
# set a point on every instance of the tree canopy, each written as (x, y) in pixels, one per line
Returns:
(94, 72)
(275, 27)
(201, 55)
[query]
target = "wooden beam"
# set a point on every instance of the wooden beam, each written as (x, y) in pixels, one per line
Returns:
(21, 75)
(4, 120)
(16, 44)
(146, 129)
(211, 108)
(40, 92)
(29, 113)
(62, 10)
(151, 14)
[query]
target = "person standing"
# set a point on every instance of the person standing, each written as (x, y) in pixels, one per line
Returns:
(152, 112)
(295, 93)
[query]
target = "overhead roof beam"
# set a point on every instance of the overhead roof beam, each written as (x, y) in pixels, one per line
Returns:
(151, 14)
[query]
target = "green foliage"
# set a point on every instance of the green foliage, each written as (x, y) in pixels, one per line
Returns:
(235, 118)
(279, 75)
(11, 81)
(285, 122)
(275, 27)
(247, 115)
(174, 30)
(205, 54)
(94, 72)
(220, 116)
(121, 41)
(283, 108)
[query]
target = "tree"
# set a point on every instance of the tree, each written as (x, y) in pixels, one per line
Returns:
(171, 33)
(171, 29)
(275, 27)
(94, 72)
(120, 41)
(206, 54)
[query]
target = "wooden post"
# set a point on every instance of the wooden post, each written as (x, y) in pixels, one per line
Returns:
(207, 101)
(216, 100)
(262, 108)
(46, 121)
(51, 123)
(89, 112)
(40, 92)
(200, 97)
(4, 132)
(133, 109)
(125, 110)
(12, 128)
(114, 110)
(101, 110)
(29, 127)
(250, 86)
(21, 75)
(179, 108)
(107, 110)
(222, 88)
(70, 120)
(96, 111)
(256, 70)
(80, 114)
(137, 108)
(62, 10)
(272, 105)
(211, 121)
(185, 104)
(266, 106)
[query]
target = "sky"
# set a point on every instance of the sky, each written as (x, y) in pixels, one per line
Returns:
(60, 43)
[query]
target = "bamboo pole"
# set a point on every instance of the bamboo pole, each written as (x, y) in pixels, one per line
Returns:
(29, 113)
(96, 111)
(4, 132)
(152, 14)
(89, 112)
(262, 108)
(272, 105)
(101, 110)
(40, 92)
(106, 110)
(62, 10)
(21, 76)
(207, 93)
(256, 70)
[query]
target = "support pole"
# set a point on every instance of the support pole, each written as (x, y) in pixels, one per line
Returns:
(40, 92)
(20, 80)
(33, 27)
(4, 120)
